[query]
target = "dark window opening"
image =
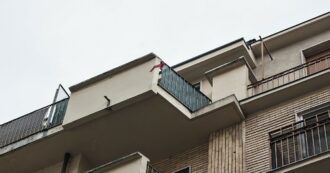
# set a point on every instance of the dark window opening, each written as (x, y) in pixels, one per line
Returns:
(186, 170)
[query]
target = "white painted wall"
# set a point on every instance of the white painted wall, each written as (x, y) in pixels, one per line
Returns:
(133, 163)
(233, 81)
(206, 88)
(134, 166)
(118, 88)
(289, 56)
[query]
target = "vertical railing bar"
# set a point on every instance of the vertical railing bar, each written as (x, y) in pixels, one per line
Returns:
(294, 146)
(313, 141)
(325, 136)
(307, 148)
(282, 153)
(300, 146)
(288, 150)
(276, 161)
(318, 130)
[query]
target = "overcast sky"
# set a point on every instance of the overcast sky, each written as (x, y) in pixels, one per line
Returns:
(47, 42)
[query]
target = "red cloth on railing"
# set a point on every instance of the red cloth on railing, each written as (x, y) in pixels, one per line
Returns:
(160, 66)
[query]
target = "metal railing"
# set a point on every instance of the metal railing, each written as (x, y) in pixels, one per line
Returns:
(289, 75)
(182, 90)
(150, 169)
(32, 123)
(300, 140)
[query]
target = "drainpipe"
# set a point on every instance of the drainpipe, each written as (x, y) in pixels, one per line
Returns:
(67, 157)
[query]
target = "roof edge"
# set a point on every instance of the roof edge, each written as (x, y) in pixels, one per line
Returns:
(113, 71)
(291, 27)
(208, 52)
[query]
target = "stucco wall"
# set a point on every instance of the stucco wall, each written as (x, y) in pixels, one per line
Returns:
(289, 56)
(260, 124)
(206, 88)
(133, 166)
(233, 81)
(118, 88)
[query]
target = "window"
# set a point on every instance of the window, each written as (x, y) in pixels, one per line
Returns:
(317, 57)
(185, 170)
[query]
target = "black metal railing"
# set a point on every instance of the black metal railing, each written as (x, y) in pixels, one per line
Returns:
(182, 90)
(289, 75)
(150, 169)
(300, 140)
(32, 123)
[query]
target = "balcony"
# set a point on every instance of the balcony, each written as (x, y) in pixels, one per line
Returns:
(129, 100)
(31, 126)
(289, 76)
(302, 141)
(35, 122)
(182, 90)
(287, 85)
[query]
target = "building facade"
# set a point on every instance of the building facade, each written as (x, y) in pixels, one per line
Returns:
(247, 106)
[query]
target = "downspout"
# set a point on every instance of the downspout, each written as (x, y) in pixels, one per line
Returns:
(67, 157)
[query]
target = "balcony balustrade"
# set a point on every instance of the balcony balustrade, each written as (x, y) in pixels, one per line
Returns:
(301, 140)
(289, 76)
(182, 90)
(32, 123)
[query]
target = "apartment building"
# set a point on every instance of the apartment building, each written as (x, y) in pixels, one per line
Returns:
(261, 105)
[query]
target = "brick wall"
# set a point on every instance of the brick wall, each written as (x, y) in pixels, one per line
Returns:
(222, 154)
(196, 158)
(226, 150)
(260, 124)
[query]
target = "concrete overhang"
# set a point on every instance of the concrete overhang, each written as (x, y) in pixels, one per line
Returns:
(156, 126)
(294, 34)
(286, 92)
(318, 163)
(229, 66)
(152, 122)
(194, 68)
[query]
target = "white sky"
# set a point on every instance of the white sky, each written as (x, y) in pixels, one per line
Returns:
(47, 42)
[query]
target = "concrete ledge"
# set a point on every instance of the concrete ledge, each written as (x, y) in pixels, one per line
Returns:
(286, 92)
(317, 163)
